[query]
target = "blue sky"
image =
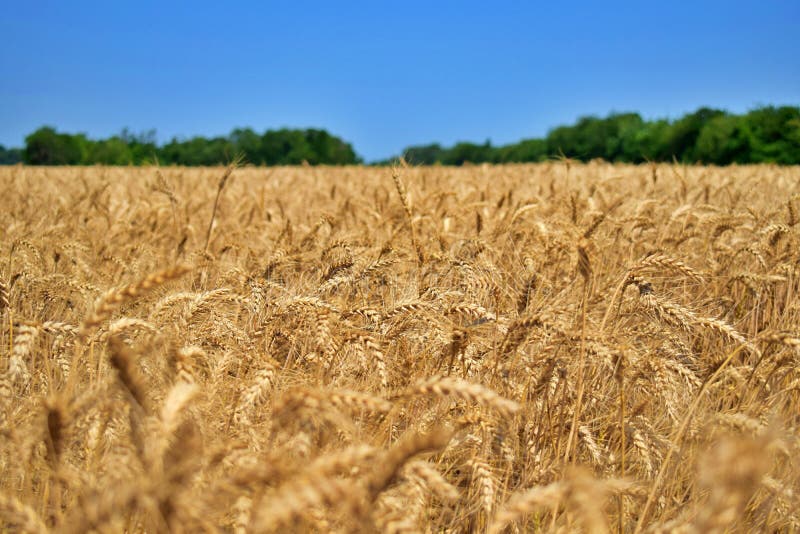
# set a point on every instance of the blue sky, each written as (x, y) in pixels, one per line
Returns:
(385, 75)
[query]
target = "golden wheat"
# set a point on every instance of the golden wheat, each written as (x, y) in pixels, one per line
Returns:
(523, 348)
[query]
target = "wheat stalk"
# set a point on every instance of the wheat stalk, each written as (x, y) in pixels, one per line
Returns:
(114, 298)
(537, 343)
(454, 387)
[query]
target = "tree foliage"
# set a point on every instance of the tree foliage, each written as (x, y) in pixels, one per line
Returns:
(46, 146)
(712, 136)
(10, 156)
(764, 135)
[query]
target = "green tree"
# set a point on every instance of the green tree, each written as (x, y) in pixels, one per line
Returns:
(198, 151)
(621, 130)
(593, 137)
(285, 147)
(722, 140)
(423, 154)
(774, 134)
(45, 146)
(113, 151)
(647, 143)
(468, 153)
(247, 143)
(328, 150)
(10, 156)
(527, 150)
(584, 141)
(682, 135)
(142, 146)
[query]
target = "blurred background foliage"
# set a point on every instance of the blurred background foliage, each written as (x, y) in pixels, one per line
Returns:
(711, 136)
(764, 135)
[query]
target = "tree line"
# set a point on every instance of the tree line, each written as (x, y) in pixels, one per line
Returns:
(764, 135)
(46, 146)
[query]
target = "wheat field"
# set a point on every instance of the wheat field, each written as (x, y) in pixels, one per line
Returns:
(558, 347)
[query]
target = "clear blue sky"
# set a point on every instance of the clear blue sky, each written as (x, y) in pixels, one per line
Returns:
(385, 75)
